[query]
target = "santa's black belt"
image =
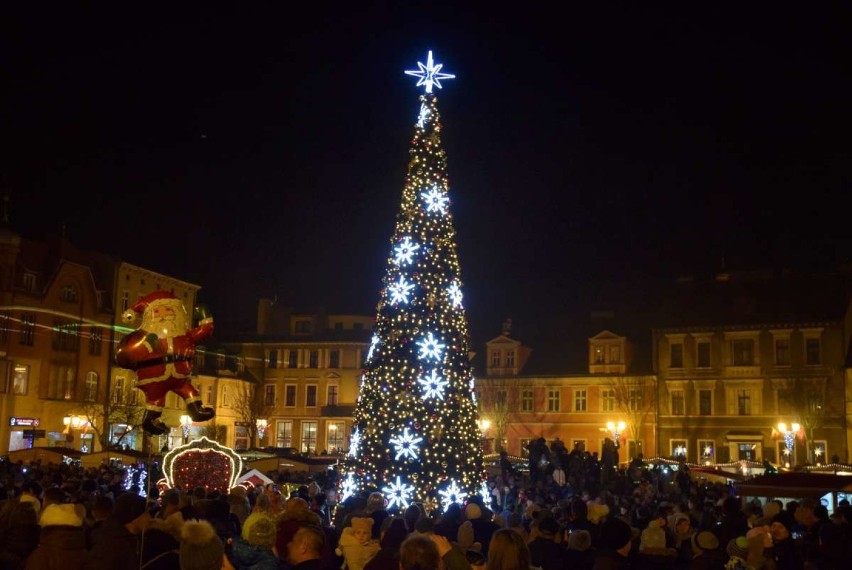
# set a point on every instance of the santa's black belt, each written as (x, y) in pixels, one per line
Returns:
(168, 359)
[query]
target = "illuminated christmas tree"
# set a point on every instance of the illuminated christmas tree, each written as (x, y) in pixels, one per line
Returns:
(415, 436)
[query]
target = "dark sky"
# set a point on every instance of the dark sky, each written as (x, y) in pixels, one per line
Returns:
(262, 150)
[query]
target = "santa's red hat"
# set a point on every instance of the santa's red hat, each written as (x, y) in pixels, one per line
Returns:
(148, 301)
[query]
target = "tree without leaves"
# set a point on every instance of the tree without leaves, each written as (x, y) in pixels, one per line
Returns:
(635, 399)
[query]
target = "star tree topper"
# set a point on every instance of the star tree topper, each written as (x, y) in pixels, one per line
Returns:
(429, 74)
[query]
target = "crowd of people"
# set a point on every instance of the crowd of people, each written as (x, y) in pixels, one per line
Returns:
(571, 512)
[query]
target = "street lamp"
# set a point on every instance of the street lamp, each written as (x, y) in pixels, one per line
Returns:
(616, 429)
(789, 440)
(185, 424)
(261, 429)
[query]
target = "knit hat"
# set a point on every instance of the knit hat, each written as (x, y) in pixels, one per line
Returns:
(738, 547)
(579, 540)
(615, 533)
(200, 548)
(548, 526)
(596, 512)
(60, 515)
(362, 523)
(262, 532)
(783, 518)
(652, 538)
(128, 507)
(472, 511)
(704, 540)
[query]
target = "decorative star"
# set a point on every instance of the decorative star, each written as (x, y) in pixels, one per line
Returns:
(406, 445)
(399, 291)
(429, 505)
(429, 74)
(424, 114)
(398, 494)
(433, 386)
(374, 342)
(348, 487)
(436, 201)
(431, 300)
(405, 251)
(354, 443)
(455, 294)
(430, 347)
(452, 494)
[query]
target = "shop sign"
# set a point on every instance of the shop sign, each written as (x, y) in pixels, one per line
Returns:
(23, 422)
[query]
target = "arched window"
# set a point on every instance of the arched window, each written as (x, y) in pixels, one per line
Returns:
(90, 393)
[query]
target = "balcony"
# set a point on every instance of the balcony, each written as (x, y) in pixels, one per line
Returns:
(337, 411)
(739, 371)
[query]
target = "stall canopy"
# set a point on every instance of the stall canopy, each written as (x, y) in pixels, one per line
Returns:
(45, 455)
(254, 477)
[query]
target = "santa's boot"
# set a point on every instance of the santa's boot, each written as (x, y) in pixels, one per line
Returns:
(152, 423)
(199, 413)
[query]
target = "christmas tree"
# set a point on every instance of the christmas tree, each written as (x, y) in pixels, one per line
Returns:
(415, 436)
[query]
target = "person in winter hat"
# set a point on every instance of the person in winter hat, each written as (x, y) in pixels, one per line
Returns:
(161, 353)
(356, 545)
(258, 552)
(63, 539)
(200, 548)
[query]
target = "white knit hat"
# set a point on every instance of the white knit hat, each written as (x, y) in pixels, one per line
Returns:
(60, 515)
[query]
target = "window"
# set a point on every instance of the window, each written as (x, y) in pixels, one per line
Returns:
(331, 395)
(314, 359)
(742, 352)
(607, 400)
(676, 355)
(28, 323)
(293, 359)
(283, 434)
(747, 451)
(311, 396)
(209, 399)
(290, 396)
(580, 397)
(65, 336)
(335, 437)
(634, 399)
(20, 379)
(4, 328)
(599, 355)
(743, 402)
(118, 390)
(706, 449)
(678, 448)
(125, 300)
(702, 354)
(269, 396)
(510, 358)
(812, 356)
(29, 281)
(309, 437)
(303, 327)
(241, 437)
(615, 354)
(527, 401)
(678, 408)
(96, 338)
(782, 352)
(225, 400)
(272, 358)
(500, 399)
(553, 400)
(705, 402)
(90, 393)
(820, 451)
(495, 359)
(68, 294)
(634, 448)
(67, 375)
(334, 359)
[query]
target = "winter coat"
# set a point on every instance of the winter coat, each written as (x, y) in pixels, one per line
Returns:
(244, 556)
(114, 548)
(16, 545)
(60, 548)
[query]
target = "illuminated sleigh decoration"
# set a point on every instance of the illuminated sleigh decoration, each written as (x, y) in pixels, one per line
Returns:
(201, 463)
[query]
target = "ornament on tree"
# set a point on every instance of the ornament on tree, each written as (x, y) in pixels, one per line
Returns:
(161, 353)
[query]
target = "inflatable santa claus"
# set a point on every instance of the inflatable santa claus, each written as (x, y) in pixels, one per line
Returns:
(161, 353)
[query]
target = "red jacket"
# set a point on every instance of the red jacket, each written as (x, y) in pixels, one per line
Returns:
(155, 358)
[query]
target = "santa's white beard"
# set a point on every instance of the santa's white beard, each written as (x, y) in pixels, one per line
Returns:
(169, 328)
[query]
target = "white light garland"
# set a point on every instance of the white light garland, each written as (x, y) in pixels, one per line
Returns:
(400, 290)
(406, 445)
(433, 385)
(374, 342)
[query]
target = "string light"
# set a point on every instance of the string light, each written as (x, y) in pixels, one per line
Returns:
(202, 463)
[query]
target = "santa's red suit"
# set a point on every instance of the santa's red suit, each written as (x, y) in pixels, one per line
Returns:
(161, 353)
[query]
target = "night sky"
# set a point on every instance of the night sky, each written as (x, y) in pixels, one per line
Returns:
(260, 151)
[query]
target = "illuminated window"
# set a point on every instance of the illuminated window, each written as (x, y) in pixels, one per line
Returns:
(309, 437)
(284, 434)
(336, 437)
(118, 390)
(678, 448)
(242, 435)
(599, 355)
(20, 379)
(225, 400)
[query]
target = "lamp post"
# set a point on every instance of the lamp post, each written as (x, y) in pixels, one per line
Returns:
(185, 424)
(76, 422)
(484, 424)
(616, 429)
(261, 426)
(789, 440)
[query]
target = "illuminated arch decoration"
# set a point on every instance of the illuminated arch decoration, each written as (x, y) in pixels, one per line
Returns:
(202, 463)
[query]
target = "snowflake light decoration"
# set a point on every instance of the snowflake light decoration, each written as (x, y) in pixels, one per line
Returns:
(424, 114)
(431, 348)
(452, 494)
(429, 74)
(485, 493)
(399, 291)
(455, 293)
(436, 201)
(433, 385)
(354, 443)
(406, 445)
(374, 342)
(405, 251)
(348, 487)
(473, 390)
(398, 494)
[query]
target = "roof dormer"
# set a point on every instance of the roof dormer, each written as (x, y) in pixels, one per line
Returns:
(609, 353)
